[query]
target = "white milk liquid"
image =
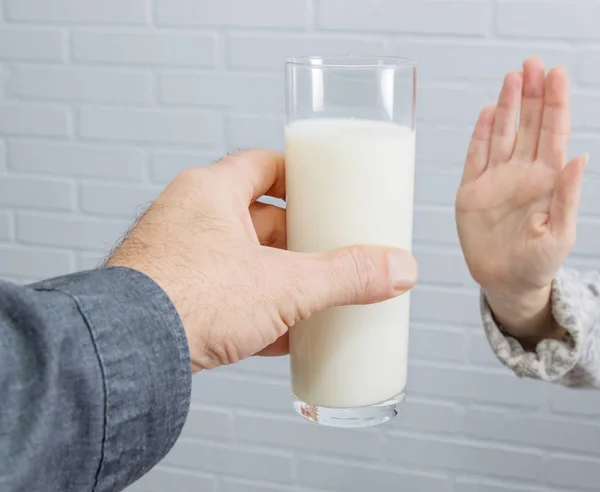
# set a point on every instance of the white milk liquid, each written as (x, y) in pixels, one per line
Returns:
(350, 182)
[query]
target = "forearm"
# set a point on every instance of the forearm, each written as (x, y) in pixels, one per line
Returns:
(569, 355)
(95, 381)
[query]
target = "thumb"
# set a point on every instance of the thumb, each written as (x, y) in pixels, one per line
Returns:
(567, 194)
(357, 275)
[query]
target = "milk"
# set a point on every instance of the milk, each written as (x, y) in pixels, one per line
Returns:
(350, 182)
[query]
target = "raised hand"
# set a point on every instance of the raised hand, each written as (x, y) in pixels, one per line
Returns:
(517, 205)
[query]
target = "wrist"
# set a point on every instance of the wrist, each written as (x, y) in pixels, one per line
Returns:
(525, 315)
(180, 302)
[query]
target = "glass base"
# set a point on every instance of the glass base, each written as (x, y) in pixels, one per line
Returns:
(350, 417)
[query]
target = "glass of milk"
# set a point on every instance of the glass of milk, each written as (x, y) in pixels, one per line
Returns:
(350, 158)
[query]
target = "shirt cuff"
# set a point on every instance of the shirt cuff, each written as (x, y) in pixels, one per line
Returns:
(562, 361)
(144, 359)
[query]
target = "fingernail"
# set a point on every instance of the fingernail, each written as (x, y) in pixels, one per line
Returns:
(403, 270)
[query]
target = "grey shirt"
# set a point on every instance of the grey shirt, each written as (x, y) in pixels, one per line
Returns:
(573, 361)
(95, 381)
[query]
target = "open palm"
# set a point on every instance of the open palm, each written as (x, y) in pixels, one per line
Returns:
(517, 205)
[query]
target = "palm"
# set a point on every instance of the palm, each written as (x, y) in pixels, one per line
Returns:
(516, 206)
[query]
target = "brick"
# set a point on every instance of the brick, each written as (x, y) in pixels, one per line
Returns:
(451, 306)
(69, 232)
(464, 457)
(588, 237)
(580, 144)
(233, 13)
(433, 343)
(480, 352)
(3, 156)
(5, 225)
(89, 261)
(519, 18)
(144, 48)
(29, 192)
(76, 160)
(81, 84)
(17, 281)
(442, 144)
(587, 68)
(151, 126)
(583, 263)
(436, 225)
(160, 479)
(584, 107)
(233, 460)
(236, 485)
(589, 196)
(436, 186)
(30, 44)
(125, 200)
(167, 164)
(472, 484)
(419, 415)
(295, 433)
(574, 402)
(247, 393)
(247, 132)
(533, 430)
(449, 105)
(269, 51)
(274, 367)
(572, 471)
(241, 92)
(203, 422)
(352, 477)
(33, 120)
(474, 385)
(79, 11)
(464, 18)
(21, 261)
(442, 267)
(488, 60)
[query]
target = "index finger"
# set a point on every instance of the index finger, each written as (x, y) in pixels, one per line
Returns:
(255, 173)
(556, 123)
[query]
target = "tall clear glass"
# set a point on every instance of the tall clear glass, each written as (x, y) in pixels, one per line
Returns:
(350, 158)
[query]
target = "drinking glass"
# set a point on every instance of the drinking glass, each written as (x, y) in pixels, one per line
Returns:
(350, 158)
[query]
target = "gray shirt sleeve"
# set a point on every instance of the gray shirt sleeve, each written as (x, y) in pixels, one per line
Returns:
(95, 381)
(573, 361)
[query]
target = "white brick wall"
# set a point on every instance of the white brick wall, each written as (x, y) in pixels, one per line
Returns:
(466, 18)
(143, 47)
(79, 11)
(102, 103)
(31, 44)
(80, 84)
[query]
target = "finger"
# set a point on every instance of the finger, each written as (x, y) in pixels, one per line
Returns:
(354, 275)
(479, 148)
(255, 173)
(564, 207)
(505, 121)
(556, 124)
(269, 224)
(279, 347)
(532, 107)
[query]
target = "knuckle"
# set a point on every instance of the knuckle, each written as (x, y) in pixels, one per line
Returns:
(295, 306)
(362, 270)
(190, 175)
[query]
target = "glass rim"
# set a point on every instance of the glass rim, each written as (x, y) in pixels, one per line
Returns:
(352, 61)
